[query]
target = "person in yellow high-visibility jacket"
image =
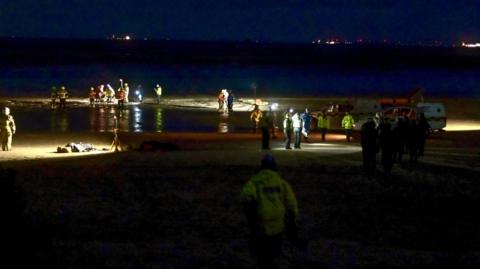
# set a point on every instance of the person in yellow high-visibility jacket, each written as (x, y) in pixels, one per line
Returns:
(323, 124)
(271, 209)
(348, 123)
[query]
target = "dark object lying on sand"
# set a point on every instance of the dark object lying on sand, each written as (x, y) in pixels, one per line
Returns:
(157, 146)
(76, 147)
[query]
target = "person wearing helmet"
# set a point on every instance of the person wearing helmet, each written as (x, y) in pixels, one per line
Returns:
(158, 92)
(7, 129)
(126, 89)
(121, 98)
(62, 95)
(91, 96)
(271, 210)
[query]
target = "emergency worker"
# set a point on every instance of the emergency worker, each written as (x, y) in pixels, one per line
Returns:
(225, 100)
(109, 94)
(255, 117)
(412, 141)
(91, 96)
(399, 136)
(323, 124)
(348, 123)
(121, 98)
(62, 95)
(265, 125)
(271, 210)
(368, 141)
(126, 90)
(158, 92)
(53, 96)
(221, 99)
(423, 132)
(288, 128)
(7, 129)
(230, 101)
(385, 142)
(306, 122)
(297, 130)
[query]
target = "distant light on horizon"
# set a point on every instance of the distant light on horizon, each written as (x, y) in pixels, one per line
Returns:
(471, 45)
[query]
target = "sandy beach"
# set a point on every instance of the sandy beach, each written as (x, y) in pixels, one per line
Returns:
(178, 207)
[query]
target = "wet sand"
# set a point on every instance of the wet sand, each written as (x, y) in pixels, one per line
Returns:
(178, 207)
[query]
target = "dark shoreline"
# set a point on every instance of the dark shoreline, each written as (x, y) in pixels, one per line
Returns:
(23, 51)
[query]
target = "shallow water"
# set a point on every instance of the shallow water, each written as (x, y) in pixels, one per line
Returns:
(137, 118)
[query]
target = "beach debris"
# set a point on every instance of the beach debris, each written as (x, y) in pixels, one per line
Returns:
(76, 147)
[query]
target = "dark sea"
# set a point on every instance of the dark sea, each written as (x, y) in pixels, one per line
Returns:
(244, 79)
(188, 69)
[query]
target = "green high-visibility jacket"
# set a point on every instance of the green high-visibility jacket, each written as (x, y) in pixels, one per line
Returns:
(323, 122)
(347, 122)
(273, 197)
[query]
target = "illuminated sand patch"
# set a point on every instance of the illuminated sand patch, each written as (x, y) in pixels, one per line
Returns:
(462, 125)
(45, 152)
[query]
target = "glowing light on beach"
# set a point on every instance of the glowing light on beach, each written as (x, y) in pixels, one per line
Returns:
(127, 37)
(459, 125)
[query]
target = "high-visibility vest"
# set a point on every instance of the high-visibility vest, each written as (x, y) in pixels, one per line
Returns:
(273, 197)
(347, 122)
(323, 122)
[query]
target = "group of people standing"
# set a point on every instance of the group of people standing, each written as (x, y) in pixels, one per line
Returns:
(407, 135)
(225, 101)
(294, 123)
(299, 125)
(62, 95)
(107, 95)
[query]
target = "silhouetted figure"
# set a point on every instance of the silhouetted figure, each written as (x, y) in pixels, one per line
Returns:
(271, 210)
(288, 128)
(413, 141)
(230, 101)
(399, 135)
(369, 146)
(273, 126)
(423, 133)
(265, 124)
(385, 141)
(255, 117)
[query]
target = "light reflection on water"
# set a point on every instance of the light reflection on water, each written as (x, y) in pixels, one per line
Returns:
(139, 118)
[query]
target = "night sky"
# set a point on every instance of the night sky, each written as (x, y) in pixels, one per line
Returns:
(408, 21)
